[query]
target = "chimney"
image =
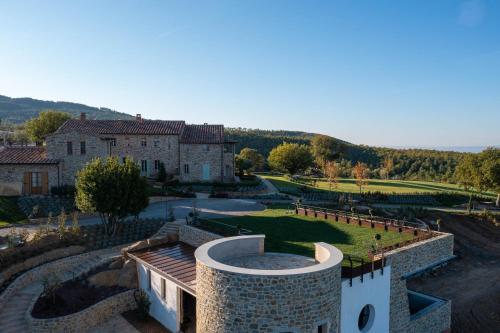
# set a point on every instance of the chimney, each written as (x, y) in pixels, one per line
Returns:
(83, 116)
(138, 117)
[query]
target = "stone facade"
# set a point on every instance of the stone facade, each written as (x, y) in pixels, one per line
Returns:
(57, 148)
(12, 176)
(407, 260)
(233, 299)
(85, 319)
(191, 162)
(194, 236)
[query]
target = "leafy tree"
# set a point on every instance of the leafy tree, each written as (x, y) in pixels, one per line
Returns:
(490, 170)
(387, 166)
(360, 175)
(46, 123)
(257, 160)
(242, 164)
(468, 176)
(325, 148)
(291, 158)
(114, 190)
(331, 171)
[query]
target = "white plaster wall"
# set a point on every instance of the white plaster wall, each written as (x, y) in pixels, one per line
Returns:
(374, 291)
(165, 311)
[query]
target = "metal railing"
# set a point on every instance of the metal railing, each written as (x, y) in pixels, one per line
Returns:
(375, 219)
(363, 267)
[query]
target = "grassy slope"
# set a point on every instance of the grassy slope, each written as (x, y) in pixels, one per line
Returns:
(374, 185)
(10, 212)
(286, 232)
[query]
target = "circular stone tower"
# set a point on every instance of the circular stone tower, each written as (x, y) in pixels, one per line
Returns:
(239, 288)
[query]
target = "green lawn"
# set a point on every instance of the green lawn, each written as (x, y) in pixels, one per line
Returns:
(290, 233)
(374, 185)
(10, 212)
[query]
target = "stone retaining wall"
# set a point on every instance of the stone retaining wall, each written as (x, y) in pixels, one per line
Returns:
(85, 319)
(407, 260)
(36, 274)
(194, 236)
(437, 320)
(29, 263)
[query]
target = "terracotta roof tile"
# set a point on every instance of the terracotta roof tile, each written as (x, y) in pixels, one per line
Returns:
(203, 134)
(142, 127)
(25, 155)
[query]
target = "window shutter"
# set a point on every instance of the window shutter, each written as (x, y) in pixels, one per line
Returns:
(45, 182)
(27, 183)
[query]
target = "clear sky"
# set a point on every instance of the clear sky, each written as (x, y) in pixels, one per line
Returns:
(395, 73)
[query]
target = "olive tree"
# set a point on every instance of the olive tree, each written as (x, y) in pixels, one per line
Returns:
(113, 190)
(291, 158)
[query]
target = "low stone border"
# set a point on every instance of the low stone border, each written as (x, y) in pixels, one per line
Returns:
(194, 236)
(35, 274)
(85, 319)
(43, 258)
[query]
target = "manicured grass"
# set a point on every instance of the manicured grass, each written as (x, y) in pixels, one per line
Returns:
(290, 233)
(10, 212)
(375, 185)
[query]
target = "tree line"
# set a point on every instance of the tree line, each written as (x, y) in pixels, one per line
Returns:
(385, 163)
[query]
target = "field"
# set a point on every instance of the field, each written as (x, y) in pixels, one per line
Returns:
(373, 185)
(10, 212)
(290, 233)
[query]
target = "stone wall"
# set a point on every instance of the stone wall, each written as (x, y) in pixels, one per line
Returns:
(29, 263)
(438, 320)
(85, 319)
(229, 166)
(232, 302)
(166, 150)
(12, 176)
(71, 164)
(196, 155)
(194, 236)
(407, 260)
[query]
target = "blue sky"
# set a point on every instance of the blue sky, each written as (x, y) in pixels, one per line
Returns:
(394, 73)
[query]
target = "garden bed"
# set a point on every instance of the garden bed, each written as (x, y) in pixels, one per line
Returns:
(73, 296)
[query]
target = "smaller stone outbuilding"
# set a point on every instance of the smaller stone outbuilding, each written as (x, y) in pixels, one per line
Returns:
(27, 170)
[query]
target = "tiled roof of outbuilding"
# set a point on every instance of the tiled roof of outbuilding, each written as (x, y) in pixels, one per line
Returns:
(139, 127)
(203, 134)
(25, 155)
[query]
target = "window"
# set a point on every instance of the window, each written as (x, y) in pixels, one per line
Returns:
(36, 179)
(157, 165)
(144, 165)
(69, 147)
(206, 148)
(323, 328)
(149, 279)
(168, 146)
(83, 148)
(163, 289)
(144, 143)
(156, 143)
(366, 317)
(226, 171)
(186, 168)
(112, 142)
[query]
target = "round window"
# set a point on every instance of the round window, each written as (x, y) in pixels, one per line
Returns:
(365, 319)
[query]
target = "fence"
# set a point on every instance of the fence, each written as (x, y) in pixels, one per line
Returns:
(362, 267)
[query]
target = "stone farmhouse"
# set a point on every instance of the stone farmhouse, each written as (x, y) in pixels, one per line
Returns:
(190, 153)
(198, 281)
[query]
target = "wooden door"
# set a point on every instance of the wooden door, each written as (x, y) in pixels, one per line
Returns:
(45, 183)
(27, 183)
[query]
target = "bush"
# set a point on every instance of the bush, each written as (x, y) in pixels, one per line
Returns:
(63, 190)
(143, 303)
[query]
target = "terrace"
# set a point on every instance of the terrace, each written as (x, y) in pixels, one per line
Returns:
(362, 239)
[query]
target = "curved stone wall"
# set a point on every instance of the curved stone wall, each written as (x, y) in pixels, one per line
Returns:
(239, 299)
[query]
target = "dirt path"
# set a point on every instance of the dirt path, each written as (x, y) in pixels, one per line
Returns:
(472, 281)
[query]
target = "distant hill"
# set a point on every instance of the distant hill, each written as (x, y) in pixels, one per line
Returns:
(18, 110)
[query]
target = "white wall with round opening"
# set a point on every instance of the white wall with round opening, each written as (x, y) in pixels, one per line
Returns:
(366, 318)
